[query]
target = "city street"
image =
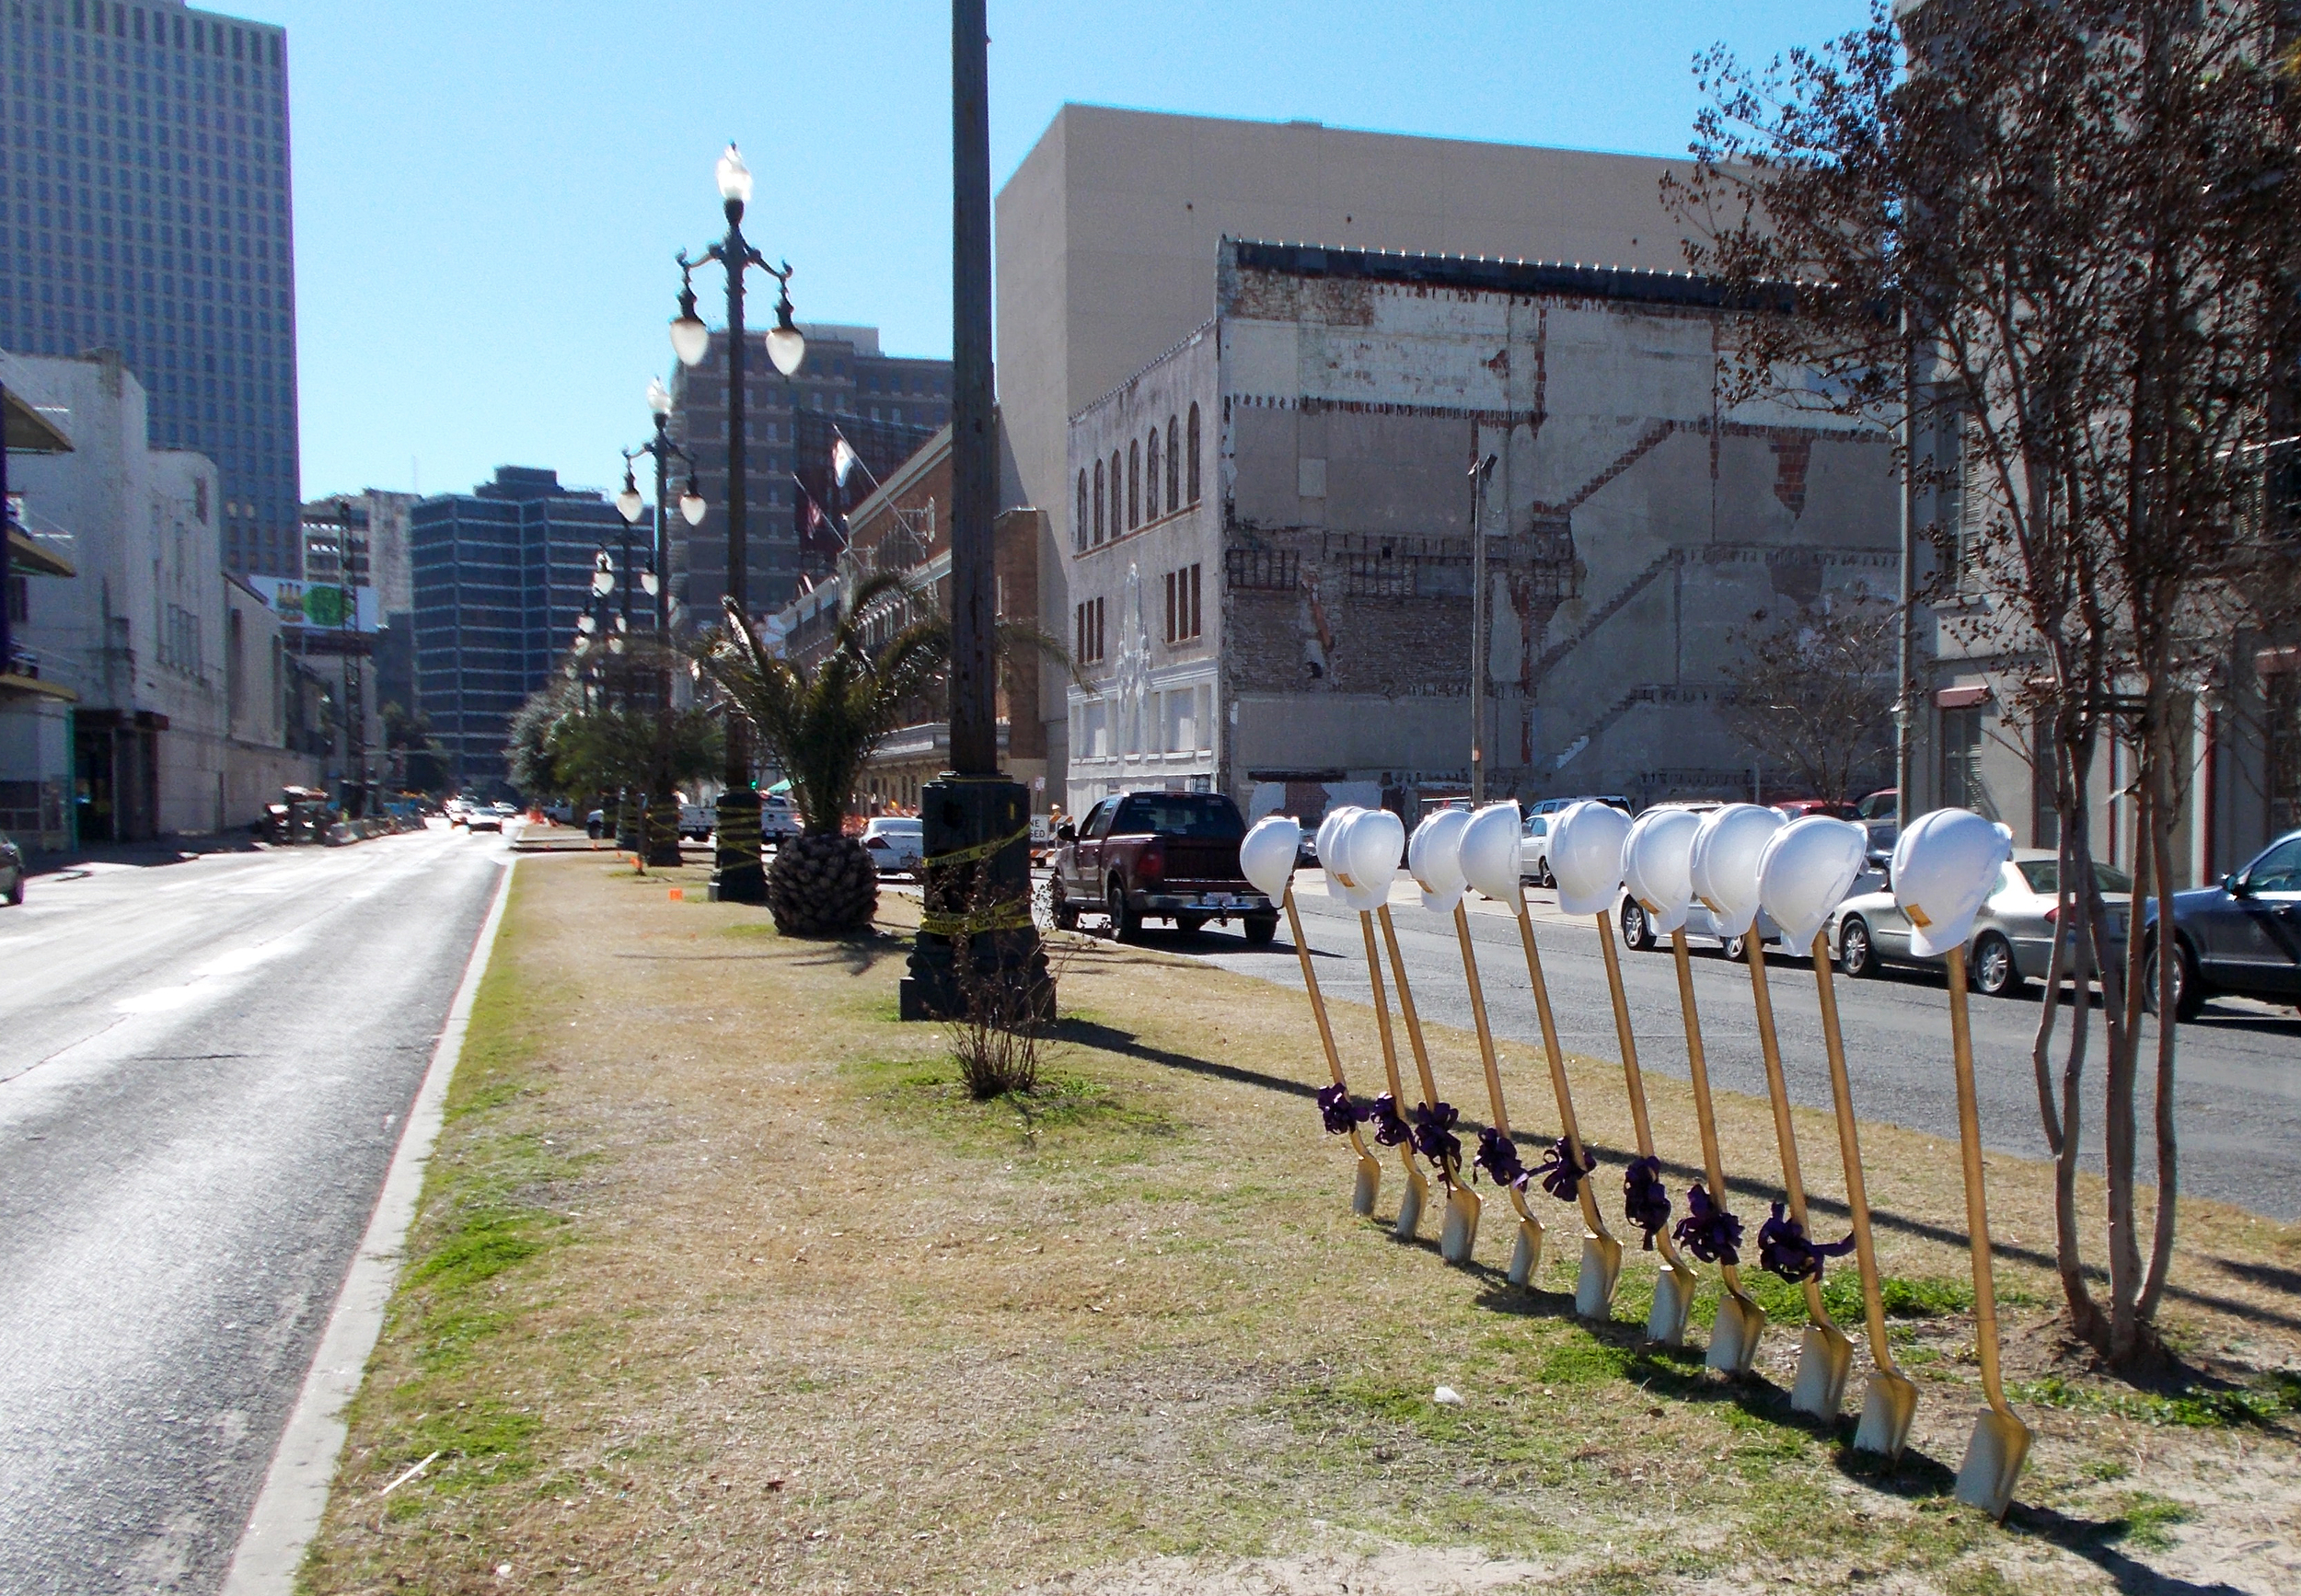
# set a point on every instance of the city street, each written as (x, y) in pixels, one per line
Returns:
(2239, 1064)
(204, 1070)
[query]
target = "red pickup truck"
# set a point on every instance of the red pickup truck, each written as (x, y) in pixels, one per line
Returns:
(1161, 856)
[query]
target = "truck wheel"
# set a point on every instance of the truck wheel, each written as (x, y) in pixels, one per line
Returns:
(1260, 930)
(1126, 924)
(1060, 910)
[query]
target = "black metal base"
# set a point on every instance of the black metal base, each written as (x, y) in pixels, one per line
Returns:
(982, 898)
(737, 876)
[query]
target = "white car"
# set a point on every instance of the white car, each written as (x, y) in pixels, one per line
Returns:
(779, 817)
(1533, 850)
(897, 844)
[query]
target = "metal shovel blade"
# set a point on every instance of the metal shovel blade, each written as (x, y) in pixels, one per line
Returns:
(1526, 1256)
(1602, 1266)
(1459, 1235)
(1410, 1203)
(1734, 1338)
(1370, 1182)
(1993, 1463)
(1824, 1359)
(1888, 1408)
(1674, 1300)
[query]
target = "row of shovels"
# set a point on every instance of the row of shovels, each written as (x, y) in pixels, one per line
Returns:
(1741, 862)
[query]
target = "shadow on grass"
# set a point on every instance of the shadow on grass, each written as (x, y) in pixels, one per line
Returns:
(860, 951)
(2096, 1540)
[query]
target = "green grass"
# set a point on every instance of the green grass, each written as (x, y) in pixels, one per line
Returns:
(2273, 1398)
(1070, 1114)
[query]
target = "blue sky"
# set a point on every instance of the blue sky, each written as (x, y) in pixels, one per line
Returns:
(488, 193)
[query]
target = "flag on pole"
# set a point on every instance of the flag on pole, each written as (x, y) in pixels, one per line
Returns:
(844, 457)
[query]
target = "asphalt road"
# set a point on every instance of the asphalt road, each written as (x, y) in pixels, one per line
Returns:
(2238, 1091)
(204, 1069)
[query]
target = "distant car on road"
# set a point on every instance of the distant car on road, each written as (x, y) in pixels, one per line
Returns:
(487, 817)
(896, 844)
(1557, 805)
(2241, 936)
(2012, 942)
(1799, 808)
(11, 871)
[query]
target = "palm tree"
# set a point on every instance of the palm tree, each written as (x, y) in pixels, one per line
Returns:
(822, 724)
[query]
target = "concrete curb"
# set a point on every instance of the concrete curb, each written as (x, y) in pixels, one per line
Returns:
(286, 1514)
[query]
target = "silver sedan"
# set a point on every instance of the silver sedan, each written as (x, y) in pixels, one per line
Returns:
(2013, 936)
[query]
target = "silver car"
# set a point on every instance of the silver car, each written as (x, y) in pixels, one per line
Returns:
(2013, 936)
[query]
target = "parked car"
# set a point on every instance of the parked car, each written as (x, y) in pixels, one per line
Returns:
(1533, 849)
(1158, 855)
(896, 844)
(1799, 808)
(1638, 930)
(11, 872)
(2241, 936)
(1879, 814)
(1555, 805)
(779, 817)
(2012, 942)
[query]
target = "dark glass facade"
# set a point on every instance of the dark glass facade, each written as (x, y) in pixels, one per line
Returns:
(501, 574)
(144, 207)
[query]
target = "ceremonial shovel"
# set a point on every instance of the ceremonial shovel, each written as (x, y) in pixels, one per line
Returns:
(1371, 840)
(1436, 862)
(1339, 886)
(1655, 867)
(1944, 868)
(1490, 861)
(1266, 859)
(1728, 847)
(1808, 869)
(1585, 861)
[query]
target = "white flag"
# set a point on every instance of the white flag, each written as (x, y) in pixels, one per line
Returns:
(844, 457)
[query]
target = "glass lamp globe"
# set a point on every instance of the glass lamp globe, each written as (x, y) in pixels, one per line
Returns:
(658, 397)
(615, 645)
(734, 177)
(786, 346)
(691, 507)
(581, 643)
(629, 500)
(691, 340)
(602, 583)
(586, 625)
(650, 584)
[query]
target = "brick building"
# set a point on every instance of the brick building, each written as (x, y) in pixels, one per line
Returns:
(1270, 560)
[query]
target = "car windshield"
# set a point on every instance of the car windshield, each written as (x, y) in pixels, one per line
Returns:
(2044, 876)
(1207, 814)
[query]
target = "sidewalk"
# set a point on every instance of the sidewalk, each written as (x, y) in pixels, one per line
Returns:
(720, 1281)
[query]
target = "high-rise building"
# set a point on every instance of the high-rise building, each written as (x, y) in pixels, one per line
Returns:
(501, 574)
(886, 406)
(144, 208)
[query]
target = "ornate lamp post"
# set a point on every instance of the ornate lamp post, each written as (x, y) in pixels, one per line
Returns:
(972, 815)
(691, 507)
(736, 876)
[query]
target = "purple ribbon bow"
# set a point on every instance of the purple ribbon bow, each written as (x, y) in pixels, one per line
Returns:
(1498, 1155)
(1560, 1178)
(1433, 1134)
(1645, 1200)
(1784, 1248)
(1340, 1111)
(1708, 1231)
(1389, 1129)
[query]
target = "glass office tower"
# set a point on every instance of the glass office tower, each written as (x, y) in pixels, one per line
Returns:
(144, 207)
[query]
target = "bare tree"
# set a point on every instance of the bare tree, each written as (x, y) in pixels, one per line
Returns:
(1812, 693)
(2064, 239)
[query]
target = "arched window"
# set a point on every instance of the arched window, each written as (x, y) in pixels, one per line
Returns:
(1118, 495)
(1191, 442)
(1173, 466)
(1079, 527)
(1134, 485)
(1151, 484)
(1098, 503)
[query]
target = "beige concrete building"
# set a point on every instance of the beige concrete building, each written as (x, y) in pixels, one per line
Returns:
(1271, 564)
(1106, 243)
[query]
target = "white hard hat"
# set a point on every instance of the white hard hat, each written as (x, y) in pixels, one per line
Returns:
(1808, 868)
(1266, 855)
(1945, 867)
(1490, 851)
(1337, 869)
(1371, 842)
(1586, 855)
(1435, 857)
(1722, 865)
(1656, 865)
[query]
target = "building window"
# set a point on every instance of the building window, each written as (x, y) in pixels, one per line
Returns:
(1098, 503)
(1079, 527)
(1134, 485)
(1087, 632)
(1961, 784)
(1118, 496)
(1191, 444)
(1151, 487)
(1181, 604)
(1173, 466)
(1261, 570)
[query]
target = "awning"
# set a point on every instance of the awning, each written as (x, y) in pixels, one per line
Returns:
(1961, 698)
(29, 429)
(23, 687)
(29, 556)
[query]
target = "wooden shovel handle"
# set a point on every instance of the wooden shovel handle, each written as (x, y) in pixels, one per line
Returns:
(1976, 1195)
(1559, 1086)
(1318, 1006)
(1633, 1080)
(1698, 1067)
(1485, 1049)
(1381, 1011)
(1850, 1152)
(1777, 1089)
(1405, 1006)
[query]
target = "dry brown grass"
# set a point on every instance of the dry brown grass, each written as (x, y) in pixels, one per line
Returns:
(722, 1283)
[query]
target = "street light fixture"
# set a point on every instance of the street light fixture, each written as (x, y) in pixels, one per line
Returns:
(737, 875)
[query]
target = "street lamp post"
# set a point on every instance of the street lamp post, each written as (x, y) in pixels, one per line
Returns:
(975, 821)
(736, 876)
(691, 507)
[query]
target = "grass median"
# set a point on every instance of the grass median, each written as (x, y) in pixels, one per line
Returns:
(722, 1282)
